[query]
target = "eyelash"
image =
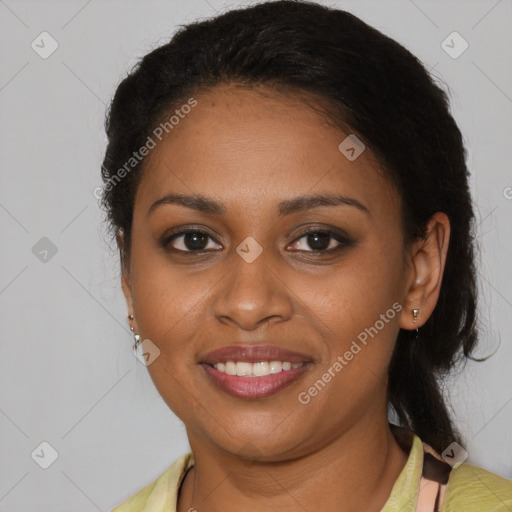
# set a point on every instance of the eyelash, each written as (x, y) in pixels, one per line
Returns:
(341, 238)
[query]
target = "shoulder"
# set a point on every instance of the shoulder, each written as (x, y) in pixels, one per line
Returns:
(161, 494)
(477, 490)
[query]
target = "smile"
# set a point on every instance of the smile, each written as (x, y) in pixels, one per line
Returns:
(253, 371)
(254, 380)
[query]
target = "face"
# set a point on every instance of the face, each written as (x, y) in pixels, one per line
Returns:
(266, 274)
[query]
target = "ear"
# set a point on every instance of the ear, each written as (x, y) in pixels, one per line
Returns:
(426, 266)
(126, 277)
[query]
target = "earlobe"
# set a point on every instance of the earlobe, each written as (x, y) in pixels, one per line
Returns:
(427, 258)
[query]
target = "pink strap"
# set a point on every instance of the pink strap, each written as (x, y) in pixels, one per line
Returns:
(430, 496)
(431, 493)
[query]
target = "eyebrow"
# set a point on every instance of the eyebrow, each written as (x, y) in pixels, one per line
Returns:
(297, 204)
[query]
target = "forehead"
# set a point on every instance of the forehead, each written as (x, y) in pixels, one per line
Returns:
(259, 146)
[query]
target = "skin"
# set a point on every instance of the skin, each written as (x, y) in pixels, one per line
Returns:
(249, 152)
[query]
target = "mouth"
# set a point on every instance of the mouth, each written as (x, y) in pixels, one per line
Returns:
(254, 371)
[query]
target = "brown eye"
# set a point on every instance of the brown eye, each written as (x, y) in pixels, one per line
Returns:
(322, 241)
(192, 240)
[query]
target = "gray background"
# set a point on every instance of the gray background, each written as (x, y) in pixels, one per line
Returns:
(67, 373)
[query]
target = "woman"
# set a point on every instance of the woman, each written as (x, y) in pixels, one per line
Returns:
(289, 194)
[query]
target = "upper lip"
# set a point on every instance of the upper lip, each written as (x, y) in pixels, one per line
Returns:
(252, 354)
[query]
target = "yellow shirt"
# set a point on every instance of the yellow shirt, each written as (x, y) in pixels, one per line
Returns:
(469, 488)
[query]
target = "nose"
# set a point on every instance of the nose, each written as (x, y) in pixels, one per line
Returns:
(252, 294)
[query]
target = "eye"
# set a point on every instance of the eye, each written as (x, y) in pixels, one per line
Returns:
(322, 241)
(189, 241)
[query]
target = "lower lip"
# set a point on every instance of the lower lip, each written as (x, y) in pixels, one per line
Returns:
(254, 387)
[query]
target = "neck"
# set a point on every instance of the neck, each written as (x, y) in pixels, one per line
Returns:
(353, 472)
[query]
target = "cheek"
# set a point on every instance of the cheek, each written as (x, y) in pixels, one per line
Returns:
(358, 308)
(167, 302)
(167, 305)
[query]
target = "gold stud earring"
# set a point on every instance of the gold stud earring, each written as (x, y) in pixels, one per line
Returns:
(415, 313)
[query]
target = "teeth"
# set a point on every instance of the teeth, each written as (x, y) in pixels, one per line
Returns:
(230, 368)
(259, 369)
(243, 369)
(276, 366)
